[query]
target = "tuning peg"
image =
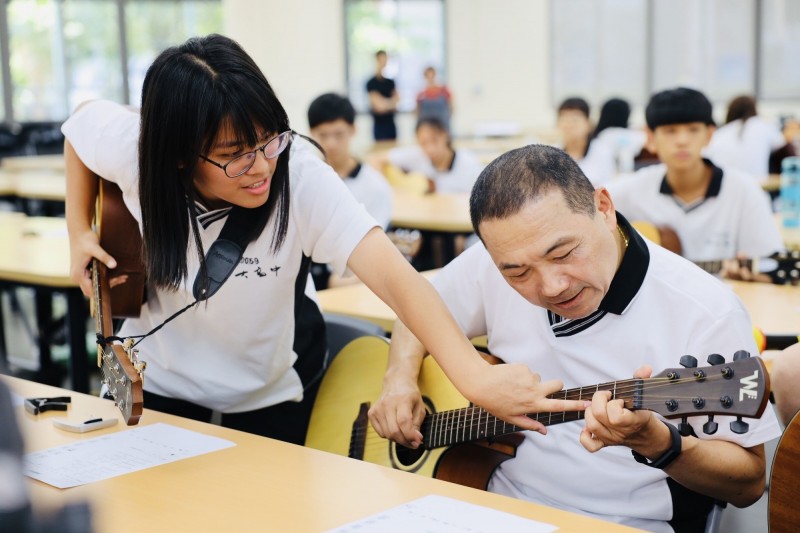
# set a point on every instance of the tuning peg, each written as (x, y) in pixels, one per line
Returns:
(710, 427)
(739, 426)
(741, 354)
(688, 361)
(684, 428)
(715, 359)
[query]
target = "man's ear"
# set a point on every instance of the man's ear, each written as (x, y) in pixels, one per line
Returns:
(605, 206)
(710, 133)
(650, 144)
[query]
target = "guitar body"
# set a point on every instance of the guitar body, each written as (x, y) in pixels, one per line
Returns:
(120, 237)
(784, 487)
(355, 378)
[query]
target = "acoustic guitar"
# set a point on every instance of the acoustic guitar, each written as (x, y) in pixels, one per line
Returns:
(781, 267)
(784, 486)
(122, 372)
(456, 433)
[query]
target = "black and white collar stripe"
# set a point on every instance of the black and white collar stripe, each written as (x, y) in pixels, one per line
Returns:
(205, 217)
(714, 186)
(626, 283)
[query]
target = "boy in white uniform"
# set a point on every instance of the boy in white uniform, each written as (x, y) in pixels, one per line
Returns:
(564, 284)
(717, 213)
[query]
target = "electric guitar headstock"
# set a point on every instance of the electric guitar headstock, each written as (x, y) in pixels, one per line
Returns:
(739, 388)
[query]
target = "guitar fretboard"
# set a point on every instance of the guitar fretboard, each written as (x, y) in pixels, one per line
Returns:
(475, 423)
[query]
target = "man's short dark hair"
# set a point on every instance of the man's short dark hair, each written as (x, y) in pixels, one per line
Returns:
(380, 53)
(575, 104)
(515, 178)
(330, 107)
(678, 106)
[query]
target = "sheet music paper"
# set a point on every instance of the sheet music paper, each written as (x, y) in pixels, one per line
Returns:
(115, 454)
(443, 515)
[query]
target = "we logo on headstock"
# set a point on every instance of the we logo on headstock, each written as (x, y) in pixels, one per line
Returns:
(739, 388)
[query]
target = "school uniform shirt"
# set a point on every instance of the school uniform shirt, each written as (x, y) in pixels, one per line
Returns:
(658, 308)
(459, 178)
(598, 163)
(734, 215)
(745, 146)
(233, 353)
(371, 189)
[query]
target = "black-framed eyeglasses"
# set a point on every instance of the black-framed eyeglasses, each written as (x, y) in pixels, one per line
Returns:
(244, 162)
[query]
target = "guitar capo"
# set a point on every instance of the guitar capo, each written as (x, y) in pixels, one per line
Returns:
(39, 405)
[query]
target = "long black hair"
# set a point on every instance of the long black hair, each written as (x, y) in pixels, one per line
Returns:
(190, 91)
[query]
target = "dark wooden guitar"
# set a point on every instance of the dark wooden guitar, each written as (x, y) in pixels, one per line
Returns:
(119, 235)
(784, 485)
(781, 267)
(465, 444)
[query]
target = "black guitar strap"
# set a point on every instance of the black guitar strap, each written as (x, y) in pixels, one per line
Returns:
(225, 252)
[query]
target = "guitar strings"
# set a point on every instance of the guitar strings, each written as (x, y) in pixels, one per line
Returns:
(462, 420)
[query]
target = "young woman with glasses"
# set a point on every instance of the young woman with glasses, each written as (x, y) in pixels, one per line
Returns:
(212, 137)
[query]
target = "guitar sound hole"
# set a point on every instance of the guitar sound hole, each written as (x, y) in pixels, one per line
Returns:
(407, 456)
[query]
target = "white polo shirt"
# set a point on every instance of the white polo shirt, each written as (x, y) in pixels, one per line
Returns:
(234, 352)
(460, 177)
(733, 217)
(659, 307)
(371, 189)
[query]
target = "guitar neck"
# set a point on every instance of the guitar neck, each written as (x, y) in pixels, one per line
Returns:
(474, 423)
(715, 266)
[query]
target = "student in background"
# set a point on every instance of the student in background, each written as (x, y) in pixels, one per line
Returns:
(434, 101)
(331, 120)
(383, 100)
(717, 213)
(745, 141)
(448, 170)
(790, 127)
(564, 285)
(596, 160)
(212, 144)
(612, 131)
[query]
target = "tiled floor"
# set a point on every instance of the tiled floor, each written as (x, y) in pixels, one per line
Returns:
(23, 358)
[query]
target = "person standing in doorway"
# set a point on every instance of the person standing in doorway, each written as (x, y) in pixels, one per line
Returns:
(383, 99)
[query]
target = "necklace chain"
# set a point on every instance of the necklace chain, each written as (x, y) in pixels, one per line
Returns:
(622, 234)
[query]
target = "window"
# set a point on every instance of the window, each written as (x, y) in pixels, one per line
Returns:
(632, 48)
(597, 52)
(780, 49)
(410, 31)
(63, 52)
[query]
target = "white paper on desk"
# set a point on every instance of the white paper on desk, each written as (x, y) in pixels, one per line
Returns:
(115, 454)
(443, 515)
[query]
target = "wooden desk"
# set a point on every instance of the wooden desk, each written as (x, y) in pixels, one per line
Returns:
(258, 485)
(35, 253)
(448, 213)
(773, 308)
(53, 162)
(35, 191)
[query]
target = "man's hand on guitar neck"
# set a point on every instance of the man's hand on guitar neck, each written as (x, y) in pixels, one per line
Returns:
(508, 391)
(736, 269)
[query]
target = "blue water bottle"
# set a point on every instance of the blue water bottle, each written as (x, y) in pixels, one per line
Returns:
(790, 192)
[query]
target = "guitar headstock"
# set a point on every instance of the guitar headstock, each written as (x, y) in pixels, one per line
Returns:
(738, 388)
(123, 375)
(782, 267)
